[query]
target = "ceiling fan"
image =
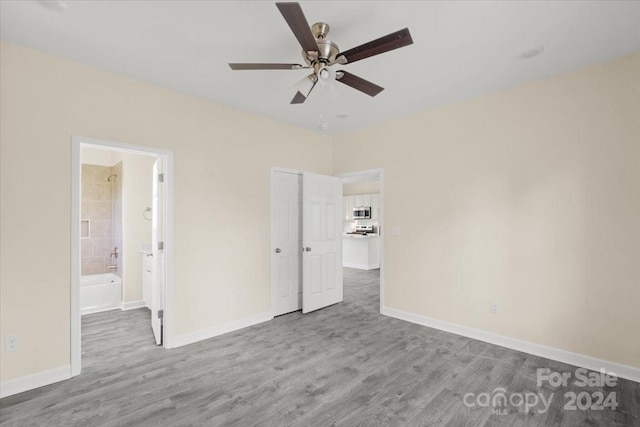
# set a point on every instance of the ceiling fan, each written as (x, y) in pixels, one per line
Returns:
(320, 54)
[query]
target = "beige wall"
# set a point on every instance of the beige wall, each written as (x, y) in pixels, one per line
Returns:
(528, 197)
(137, 194)
(223, 159)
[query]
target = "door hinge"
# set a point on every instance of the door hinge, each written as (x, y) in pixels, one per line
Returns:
(160, 177)
(161, 246)
(160, 314)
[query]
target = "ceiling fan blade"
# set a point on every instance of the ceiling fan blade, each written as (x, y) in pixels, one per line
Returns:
(298, 98)
(384, 44)
(304, 87)
(263, 66)
(292, 13)
(359, 83)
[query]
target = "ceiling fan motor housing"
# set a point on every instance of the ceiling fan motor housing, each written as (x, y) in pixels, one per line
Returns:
(327, 50)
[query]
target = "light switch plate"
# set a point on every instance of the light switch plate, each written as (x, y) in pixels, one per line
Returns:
(395, 230)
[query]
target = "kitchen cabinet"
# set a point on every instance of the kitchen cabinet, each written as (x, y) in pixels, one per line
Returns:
(362, 200)
(361, 252)
(350, 202)
(375, 206)
(347, 205)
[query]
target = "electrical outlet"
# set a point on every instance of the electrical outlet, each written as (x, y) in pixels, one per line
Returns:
(10, 344)
(495, 308)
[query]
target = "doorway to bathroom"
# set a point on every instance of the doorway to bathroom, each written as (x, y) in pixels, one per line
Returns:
(121, 235)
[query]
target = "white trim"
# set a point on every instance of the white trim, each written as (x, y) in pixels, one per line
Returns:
(132, 305)
(167, 320)
(75, 318)
(373, 174)
(203, 334)
(361, 266)
(75, 323)
(361, 176)
(575, 359)
(98, 309)
(31, 381)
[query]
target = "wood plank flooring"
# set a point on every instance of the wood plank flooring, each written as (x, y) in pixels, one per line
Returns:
(345, 365)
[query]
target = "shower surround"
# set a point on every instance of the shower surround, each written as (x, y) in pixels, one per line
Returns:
(102, 207)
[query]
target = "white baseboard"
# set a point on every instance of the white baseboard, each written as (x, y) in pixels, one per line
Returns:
(361, 266)
(214, 331)
(132, 305)
(39, 379)
(98, 309)
(583, 361)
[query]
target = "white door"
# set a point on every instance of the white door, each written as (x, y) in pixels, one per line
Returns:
(157, 248)
(286, 240)
(322, 241)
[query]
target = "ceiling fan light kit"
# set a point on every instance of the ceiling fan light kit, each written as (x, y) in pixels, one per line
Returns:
(319, 54)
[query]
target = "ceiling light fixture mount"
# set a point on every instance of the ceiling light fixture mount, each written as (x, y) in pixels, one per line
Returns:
(531, 53)
(55, 5)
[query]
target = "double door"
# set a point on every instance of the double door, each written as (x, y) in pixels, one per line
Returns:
(306, 260)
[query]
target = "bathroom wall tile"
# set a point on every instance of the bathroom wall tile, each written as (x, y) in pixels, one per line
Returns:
(96, 191)
(96, 205)
(102, 247)
(87, 191)
(117, 208)
(100, 192)
(85, 210)
(86, 248)
(92, 265)
(109, 229)
(116, 231)
(88, 174)
(100, 210)
(100, 228)
(102, 173)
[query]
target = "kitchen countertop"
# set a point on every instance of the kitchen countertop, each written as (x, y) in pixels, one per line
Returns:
(359, 236)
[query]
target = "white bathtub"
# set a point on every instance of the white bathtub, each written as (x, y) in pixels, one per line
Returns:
(100, 292)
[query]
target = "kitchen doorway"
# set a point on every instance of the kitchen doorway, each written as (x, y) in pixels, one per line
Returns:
(363, 225)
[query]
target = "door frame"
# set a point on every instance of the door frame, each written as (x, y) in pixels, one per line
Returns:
(272, 240)
(77, 142)
(372, 173)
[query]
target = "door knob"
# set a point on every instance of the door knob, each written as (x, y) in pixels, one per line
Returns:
(308, 249)
(278, 250)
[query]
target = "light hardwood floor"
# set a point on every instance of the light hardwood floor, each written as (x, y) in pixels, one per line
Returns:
(344, 365)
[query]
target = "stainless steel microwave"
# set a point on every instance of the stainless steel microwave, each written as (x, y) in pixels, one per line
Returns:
(362, 212)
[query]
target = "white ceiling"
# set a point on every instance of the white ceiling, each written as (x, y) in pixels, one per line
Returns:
(461, 49)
